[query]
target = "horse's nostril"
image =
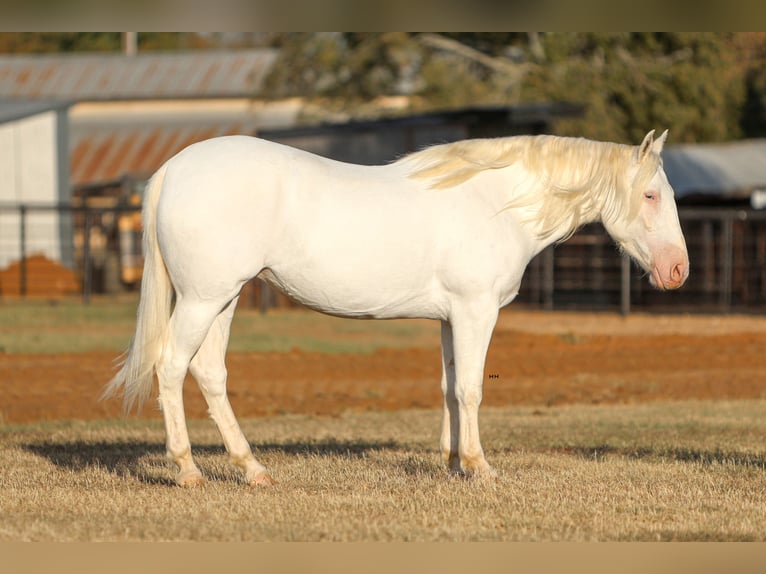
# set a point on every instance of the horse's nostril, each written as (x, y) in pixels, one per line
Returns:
(677, 273)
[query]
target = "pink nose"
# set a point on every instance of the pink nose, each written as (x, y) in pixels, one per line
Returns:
(671, 268)
(678, 275)
(675, 277)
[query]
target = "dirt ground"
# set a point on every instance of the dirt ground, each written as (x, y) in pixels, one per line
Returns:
(536, 359)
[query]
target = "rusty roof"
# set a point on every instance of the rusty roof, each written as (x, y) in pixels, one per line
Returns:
(198, 74)
(98, 156)
(109, 141)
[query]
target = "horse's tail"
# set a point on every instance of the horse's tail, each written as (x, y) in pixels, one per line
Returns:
(136, 373)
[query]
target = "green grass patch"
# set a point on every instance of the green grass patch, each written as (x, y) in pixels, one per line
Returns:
(108, 324)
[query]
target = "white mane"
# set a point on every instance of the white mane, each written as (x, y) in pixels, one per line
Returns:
(574, 179)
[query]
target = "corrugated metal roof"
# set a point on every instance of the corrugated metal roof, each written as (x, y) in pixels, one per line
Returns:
(109, 141)
(732, 169)
(108, 155)
(199, 74)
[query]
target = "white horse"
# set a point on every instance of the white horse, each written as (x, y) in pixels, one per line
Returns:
(444, 233)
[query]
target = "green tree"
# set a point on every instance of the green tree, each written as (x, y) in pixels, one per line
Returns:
(354, 66)
(689, 83)
(751, 50)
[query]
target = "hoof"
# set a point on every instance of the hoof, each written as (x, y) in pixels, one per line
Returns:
(483, 473)
(262, 479)
(190, 480)
(488, 475)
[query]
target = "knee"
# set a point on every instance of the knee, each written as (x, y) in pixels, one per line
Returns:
(170, 376)
(212, 381)
(469, 397)
(213, 389)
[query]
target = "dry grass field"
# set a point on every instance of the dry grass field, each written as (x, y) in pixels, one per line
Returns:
(664, 471)
(602, 429)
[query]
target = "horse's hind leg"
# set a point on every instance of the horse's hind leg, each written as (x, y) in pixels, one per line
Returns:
(189, 324)
(209, 369)
(450, 421)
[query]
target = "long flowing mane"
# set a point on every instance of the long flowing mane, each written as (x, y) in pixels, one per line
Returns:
(568, 181)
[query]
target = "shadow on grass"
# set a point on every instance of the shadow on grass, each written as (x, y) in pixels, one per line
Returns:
(122, 458)
(680, 454)
(129, 458)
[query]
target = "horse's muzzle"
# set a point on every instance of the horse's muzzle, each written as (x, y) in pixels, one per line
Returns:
(671, 269)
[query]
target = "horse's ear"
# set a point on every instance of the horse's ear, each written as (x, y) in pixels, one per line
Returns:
(645, 147)
(659, 142)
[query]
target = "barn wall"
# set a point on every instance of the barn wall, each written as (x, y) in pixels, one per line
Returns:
(30, 173)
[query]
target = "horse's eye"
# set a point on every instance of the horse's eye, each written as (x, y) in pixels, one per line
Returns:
(650, 195)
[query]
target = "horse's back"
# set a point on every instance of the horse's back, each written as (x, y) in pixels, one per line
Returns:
(332, 235)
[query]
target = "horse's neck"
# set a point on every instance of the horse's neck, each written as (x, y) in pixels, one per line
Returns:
(521, 195)
(559, 235)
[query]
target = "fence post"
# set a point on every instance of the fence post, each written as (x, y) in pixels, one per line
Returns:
(86, 258)
(548, 286)
(23, 248)
(625, 285)
(265, 299)
(727, 265)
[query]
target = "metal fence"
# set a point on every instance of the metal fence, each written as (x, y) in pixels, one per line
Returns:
(727, 254)
(67, 250)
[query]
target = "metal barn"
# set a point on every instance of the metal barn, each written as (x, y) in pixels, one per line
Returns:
(34, 169)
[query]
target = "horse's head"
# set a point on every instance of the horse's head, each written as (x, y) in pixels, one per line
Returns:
(651, 232)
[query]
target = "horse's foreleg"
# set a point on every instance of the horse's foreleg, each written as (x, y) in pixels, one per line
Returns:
(187, 329)
(209, 369)
(450, 421)
(472, 326)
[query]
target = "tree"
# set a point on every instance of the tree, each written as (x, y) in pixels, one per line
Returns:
(751, 49)
(695, 84)
(688, 83)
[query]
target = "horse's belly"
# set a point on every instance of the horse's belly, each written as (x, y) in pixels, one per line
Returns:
(378, 300)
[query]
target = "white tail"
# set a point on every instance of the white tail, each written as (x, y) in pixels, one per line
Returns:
(136, 374)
